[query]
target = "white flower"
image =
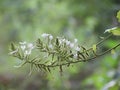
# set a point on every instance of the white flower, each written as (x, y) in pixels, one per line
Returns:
(71, 45)
(50, 37)
(13, 52)
(67, 42)
(77, 48)
(50, 46)
(75, 40)
(61, 41)
(75, 56)
(23, 47)
(30, 46)
(44, 35)
(27, 52)
(26, 47)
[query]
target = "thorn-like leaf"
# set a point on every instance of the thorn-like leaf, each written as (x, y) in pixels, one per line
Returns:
(57, 42)
(61, 68)
(49, 69)
(82, 55)
(53, 56)
(12, 47)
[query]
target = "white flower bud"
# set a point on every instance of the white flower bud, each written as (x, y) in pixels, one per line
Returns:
(50, 37)
(77, 48)
(23, 47)
(30, 46)
(50, 46)
(44, 35)
(75, 40)
(27, 52)
(67, 42)
(71, 45)
(75, 56)
(63, 40)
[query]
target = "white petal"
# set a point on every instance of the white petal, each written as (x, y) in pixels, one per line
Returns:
(23, 47)
(50, 37)
(63, 40)
(75, 40)
(44, 35)
(67, 42)
(30, 46)
(77, 48)
(75, 56)
(50, 46)
(71, 45)
(27, 52)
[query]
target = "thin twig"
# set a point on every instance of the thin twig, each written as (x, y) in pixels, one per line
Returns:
(99, 43)
(107, 51)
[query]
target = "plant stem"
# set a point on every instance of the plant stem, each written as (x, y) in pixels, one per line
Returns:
(99, 43)
(107, 51)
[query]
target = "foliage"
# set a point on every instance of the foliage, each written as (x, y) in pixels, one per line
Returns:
(114, 31)
(118, 15)
(62, 52)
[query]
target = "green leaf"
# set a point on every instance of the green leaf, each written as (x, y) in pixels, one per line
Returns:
(94, 47)
(118, 16)
(113, 51)
(115, 31)
(61, 68)
(12, 46)
(49, 69)
(20, 65)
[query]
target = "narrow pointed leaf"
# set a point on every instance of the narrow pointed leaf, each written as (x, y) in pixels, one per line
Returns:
(49, 69)
(12, 47)
(61, 68)
(115, 31)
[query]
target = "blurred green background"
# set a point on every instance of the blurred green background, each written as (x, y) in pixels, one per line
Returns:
(86, 20)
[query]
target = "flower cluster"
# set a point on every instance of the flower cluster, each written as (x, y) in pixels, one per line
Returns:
(49, 36)
(49, 52)
(71, 45)
(23, 48)
(26, 47)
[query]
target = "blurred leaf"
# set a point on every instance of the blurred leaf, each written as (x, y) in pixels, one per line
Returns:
(115, 31)
(110, 43)
(113, 51)
(118, 16)
(112, 85)
(94, 47)
(115, 87)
